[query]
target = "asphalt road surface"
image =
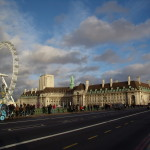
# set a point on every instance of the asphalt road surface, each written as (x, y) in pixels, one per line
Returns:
(102, 130)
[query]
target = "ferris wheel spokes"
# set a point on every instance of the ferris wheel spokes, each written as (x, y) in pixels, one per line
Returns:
(15, 58)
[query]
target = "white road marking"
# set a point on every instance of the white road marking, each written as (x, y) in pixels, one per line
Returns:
(24, 127)
(70, 131)
(66, 121)
(9, 129)
(72, 120)
(25, 121)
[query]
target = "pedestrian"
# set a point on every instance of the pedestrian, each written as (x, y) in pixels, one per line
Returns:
(17, 110)
(49, 107)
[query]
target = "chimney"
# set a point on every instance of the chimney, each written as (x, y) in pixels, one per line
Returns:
(103, 83)
(139, 79)
(148, 81)
(35, 90)
(87, 85)
(25, 90)
(129, 80)
(111, 82)
(31, 90)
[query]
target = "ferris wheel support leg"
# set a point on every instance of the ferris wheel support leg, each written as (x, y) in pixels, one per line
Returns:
(4, 82)
(12, 99)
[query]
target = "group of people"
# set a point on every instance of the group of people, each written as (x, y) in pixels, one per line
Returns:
(48, 109)
(22, 110)
(77, 108)
(71, 108)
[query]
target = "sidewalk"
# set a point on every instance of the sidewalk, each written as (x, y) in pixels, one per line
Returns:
(52, 114)
(59, 113)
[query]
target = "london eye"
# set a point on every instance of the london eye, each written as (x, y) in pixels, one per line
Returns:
(8, 90)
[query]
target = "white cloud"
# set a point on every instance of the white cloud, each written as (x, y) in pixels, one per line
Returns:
(86, 69)
(134, 71)
(43, 54)
(146, 57)
(60, 18)
(109, 56)
(15, 26)
(92, 79)
(111, 7)
(94, 31)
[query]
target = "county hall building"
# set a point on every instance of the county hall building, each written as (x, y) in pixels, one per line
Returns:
(127, 92)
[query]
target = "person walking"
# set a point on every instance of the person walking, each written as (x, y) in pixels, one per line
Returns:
(17, 110)
(49, 108)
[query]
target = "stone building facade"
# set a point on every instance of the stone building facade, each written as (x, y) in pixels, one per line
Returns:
(127, 92)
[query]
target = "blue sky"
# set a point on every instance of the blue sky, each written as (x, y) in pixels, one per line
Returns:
(89, 39)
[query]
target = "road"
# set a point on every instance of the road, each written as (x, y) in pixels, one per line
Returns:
(105, 130)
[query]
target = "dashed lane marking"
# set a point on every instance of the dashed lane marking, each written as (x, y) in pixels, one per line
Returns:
(107, 131)
(16, 122)
(9, 129)
(66, 147)
(92, 137)
(132, 121)
(118, 127)
(23, 128)
(126, 123)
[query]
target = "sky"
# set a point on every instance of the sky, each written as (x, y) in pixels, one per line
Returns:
(89, 39)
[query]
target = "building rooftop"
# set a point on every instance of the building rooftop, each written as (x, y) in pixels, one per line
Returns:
(120, 85)
(81, 86)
